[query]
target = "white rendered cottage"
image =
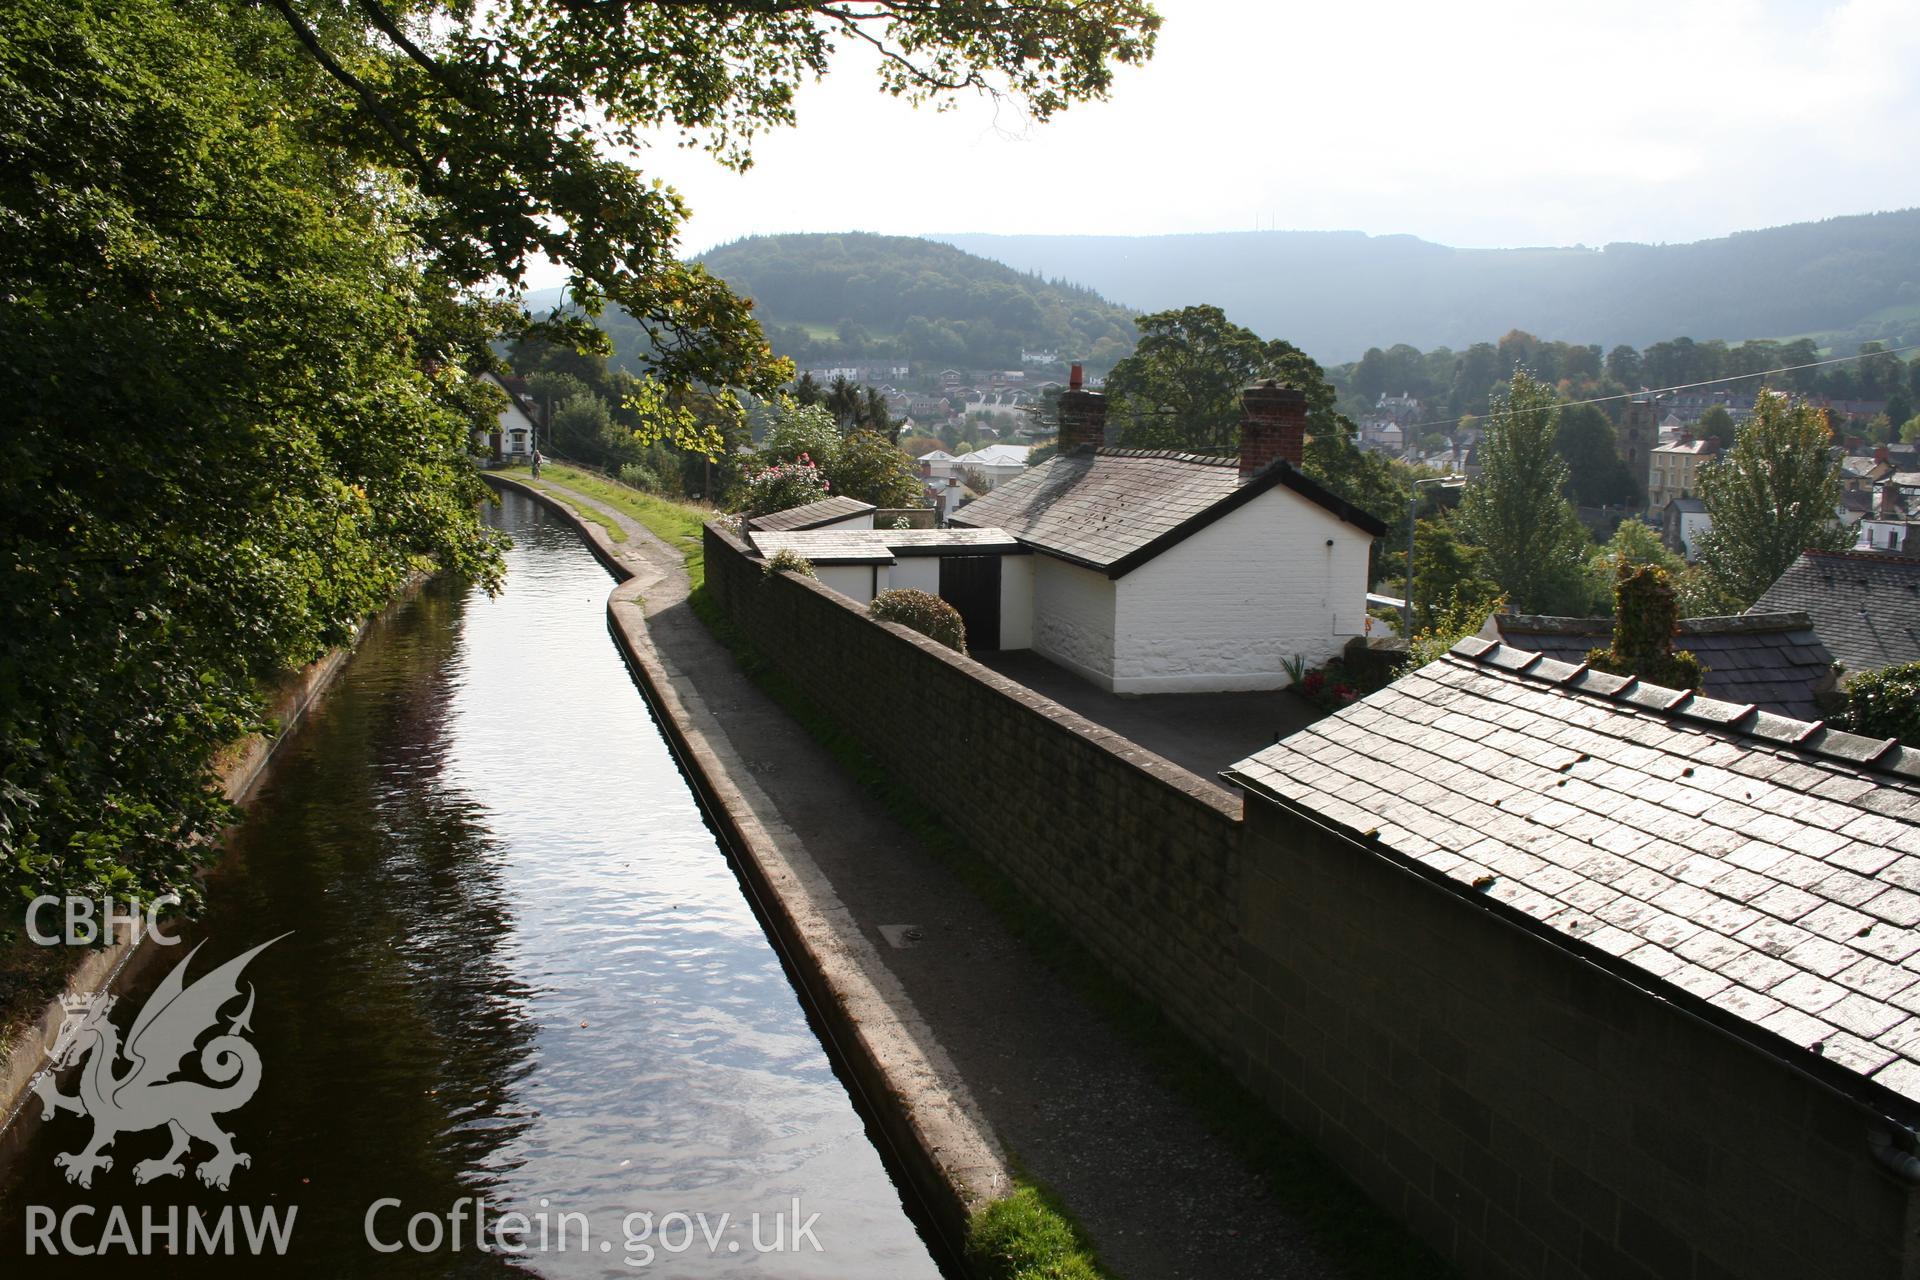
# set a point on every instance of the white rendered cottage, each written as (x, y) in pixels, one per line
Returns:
(513, 438)
(1162, 572)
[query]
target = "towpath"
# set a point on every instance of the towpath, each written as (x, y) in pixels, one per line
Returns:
(1158, 1194)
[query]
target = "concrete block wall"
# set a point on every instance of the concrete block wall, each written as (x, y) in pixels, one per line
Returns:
(1527, 1112)
(1138, 857)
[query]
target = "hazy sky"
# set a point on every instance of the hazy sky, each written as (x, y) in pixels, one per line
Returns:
(1490, 123)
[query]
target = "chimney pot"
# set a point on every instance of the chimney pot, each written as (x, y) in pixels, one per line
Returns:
(1076, 379)
(1274, 427)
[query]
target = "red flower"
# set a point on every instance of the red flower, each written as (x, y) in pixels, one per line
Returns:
(1312, 683)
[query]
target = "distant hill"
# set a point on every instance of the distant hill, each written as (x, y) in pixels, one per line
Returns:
(1336, 293)
(825, 299)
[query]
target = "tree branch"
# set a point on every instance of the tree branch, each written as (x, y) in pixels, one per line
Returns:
(371, 101)
(420, 57)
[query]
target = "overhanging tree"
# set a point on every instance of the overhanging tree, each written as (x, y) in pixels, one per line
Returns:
(1774, 494)
(515, 122)
(244, 248)
(237, 422)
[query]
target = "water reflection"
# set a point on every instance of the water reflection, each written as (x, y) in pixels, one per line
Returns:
(520, 971)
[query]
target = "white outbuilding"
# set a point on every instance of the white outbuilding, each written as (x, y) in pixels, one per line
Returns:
(1163, 572)
(1143, 571)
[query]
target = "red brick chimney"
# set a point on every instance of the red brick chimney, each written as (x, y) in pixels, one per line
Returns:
(1275, 426)
(1083, 415)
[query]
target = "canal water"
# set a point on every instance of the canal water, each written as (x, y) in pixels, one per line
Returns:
(513, 970)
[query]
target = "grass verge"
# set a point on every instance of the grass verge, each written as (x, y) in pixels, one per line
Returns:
(1028, 1236)
(675, 523)
(1352, 1231)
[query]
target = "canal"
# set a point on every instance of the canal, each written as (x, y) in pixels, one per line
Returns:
(517, 976)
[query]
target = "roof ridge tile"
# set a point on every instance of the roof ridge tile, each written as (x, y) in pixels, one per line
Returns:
(1812, 738)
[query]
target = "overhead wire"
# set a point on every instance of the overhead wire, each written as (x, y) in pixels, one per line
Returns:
(1684, 386)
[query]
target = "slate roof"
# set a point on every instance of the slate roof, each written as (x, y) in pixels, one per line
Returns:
(1761, 871)
(1114, 509)
(883, 546)
(825, 546)
(933, 542)
(997, 455)
(812, 515)
(1773, 660)
(1865, 605)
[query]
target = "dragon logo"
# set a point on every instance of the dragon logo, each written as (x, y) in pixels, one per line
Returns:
(144, 1094)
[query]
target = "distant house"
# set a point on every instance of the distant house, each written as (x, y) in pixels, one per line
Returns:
(1889, 536)
(1865, 606)
(937, 465)
(1676, 471)
(1402, 410)
(993, 464)
(828, 513)
(1157, 571)
(1893, 524)
(1773, 660)
(1683, 522)
(947, 494)
(514, 438)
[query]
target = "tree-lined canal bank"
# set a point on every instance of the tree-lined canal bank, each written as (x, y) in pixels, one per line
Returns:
(520, 977)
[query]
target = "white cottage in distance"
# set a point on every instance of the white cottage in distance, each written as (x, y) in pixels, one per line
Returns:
(513, 438)
(1142, 571)
(1164, 572)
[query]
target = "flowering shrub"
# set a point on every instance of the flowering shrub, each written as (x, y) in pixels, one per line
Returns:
(784, 485)
(928, 614)
(1330, 687)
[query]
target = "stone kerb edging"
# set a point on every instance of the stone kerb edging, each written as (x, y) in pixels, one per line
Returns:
(910, 1084)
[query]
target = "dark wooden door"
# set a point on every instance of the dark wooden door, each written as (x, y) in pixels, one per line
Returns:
(971, 584)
